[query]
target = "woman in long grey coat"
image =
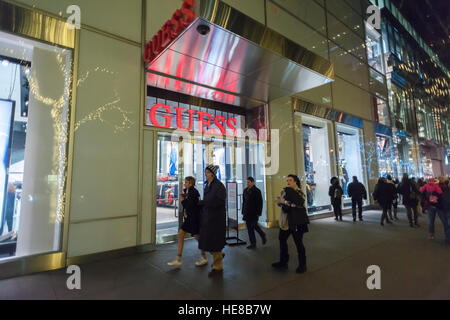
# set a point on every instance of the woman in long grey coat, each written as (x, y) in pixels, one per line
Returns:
(213, 219)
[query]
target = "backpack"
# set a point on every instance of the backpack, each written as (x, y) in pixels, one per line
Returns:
(412, 193)
(432, 198)
(445, 200)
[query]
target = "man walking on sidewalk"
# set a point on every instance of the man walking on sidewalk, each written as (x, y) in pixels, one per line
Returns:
(252, 206)
(357, 192)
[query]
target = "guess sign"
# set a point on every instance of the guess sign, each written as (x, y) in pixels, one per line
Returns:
(180, 20)
(204, 119)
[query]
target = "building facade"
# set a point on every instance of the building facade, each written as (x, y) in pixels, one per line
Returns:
(106, 120)
(418, 102)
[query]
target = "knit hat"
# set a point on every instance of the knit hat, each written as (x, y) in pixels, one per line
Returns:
(212, 168)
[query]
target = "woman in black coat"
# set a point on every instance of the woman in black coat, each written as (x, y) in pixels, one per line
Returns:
(191, 221)
(335, 192)
(293, 220)
(213, 219)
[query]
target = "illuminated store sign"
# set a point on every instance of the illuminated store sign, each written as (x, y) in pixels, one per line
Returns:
(205, 120)
(180, 20)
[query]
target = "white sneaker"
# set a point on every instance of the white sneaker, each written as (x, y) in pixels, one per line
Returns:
(175, 263)
(201, 262)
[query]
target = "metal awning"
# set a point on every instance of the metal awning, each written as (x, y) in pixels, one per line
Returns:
(239, 61)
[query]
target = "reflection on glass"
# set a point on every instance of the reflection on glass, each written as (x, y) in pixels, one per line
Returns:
(317, 165)
(374, 49)
(349, 158)
(404, 157)
(381, 111)
(386, 155)
(167, 188)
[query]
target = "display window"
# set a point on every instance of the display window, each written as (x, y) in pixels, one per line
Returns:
(386, 157)
(350, 161)
(35, 81)
(374, 48)
(317, 164)
(404, 157)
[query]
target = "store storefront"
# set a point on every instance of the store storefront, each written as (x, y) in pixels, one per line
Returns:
(212, 85)
(97, 147)
(212, 133)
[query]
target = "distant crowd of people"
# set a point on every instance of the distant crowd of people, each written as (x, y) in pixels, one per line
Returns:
(205, 219)
(432, 197)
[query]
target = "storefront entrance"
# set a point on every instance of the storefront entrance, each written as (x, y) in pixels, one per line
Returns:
(179, 159)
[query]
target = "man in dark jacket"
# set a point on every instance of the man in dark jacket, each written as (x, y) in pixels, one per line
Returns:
(410, 195)
(252, 206)
(213, 219)
(357, 192)
(383, 194)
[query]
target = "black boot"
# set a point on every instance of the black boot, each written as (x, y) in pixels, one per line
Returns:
(282, 264)
(279, 265)
(301, 265)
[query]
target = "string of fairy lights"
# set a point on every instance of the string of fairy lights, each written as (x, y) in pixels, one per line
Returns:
(436, 86)
(59, 111)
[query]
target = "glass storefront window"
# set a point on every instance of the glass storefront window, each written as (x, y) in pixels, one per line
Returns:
(236, 162)
(317, 164)
(350, 162)
(404, 156)
(374, 48)
(346, 38)
(377, 84)
(381, 111)
(347, 15)
(385, 37)
(386, 155)
(35, 81)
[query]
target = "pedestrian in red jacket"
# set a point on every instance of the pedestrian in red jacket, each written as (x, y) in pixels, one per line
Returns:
(431, 193)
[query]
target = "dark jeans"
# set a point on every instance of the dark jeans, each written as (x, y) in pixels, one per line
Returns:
(252, 225)
(359, 203)
(409, 211)
(298, 239)
(384, 216)
(431, 212)
(337, 209)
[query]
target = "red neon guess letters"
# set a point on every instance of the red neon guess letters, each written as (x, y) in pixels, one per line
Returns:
(205, 120)
(170, 30)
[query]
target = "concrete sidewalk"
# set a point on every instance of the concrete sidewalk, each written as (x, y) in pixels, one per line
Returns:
(338, 253)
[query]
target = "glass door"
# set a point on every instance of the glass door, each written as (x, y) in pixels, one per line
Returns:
(177, 160)
(167, 189)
